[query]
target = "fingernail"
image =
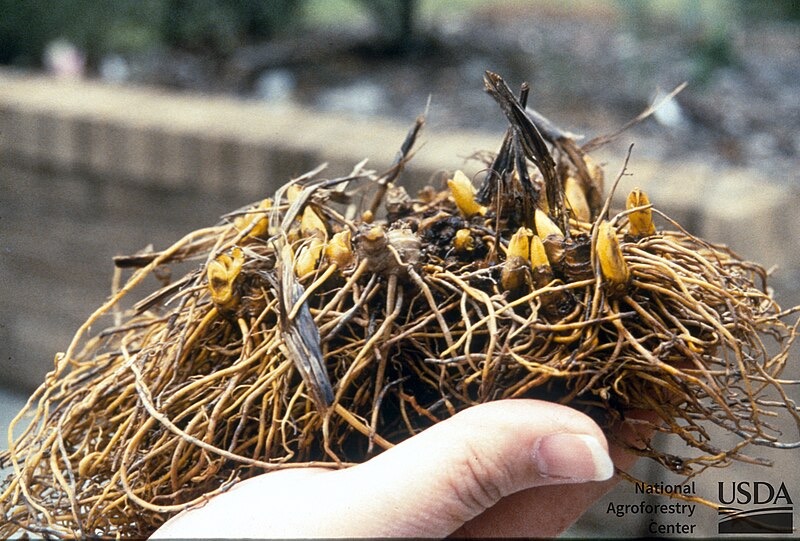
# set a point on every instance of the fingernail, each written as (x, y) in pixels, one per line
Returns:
(578, 457)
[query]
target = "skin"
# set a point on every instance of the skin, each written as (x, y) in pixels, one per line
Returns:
(506, 468)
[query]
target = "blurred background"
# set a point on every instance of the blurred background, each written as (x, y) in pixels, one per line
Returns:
(125, 123)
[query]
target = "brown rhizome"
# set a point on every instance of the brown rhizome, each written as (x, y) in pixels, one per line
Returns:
(342, 316)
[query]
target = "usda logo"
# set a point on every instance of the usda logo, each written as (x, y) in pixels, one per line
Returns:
(774, 513)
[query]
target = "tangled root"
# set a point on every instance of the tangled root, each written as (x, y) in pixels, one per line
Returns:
(314, 329)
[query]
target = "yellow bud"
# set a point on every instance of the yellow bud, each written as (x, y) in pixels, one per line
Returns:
(517, 264)
(222, 273)
(464, 195)
(538, 254)
(259, 218)
(367, 216)
(576, 200)
(612, 264)
(519, 244)
(545, 226)
(308, 257)
(293, 192)
(375, 233)
(463, 242)
(338, 250)
(641, 221)
(595, 172)
(311, 223)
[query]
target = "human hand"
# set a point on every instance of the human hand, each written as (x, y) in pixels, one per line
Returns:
(506, 468)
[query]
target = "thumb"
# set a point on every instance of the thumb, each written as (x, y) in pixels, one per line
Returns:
(436, 481)
(427, 486)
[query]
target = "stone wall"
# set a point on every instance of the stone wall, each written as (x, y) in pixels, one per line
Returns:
(90, 170)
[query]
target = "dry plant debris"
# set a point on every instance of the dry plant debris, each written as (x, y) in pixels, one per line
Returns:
(342, 316)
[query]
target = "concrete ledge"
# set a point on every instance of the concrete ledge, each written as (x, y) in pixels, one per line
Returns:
(178, 140)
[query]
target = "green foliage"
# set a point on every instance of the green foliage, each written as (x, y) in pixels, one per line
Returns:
(222, 25)
(24, 30)
(708, 27)
(395, 18)
(100, 27)
(97, 26)
(104, 26)
(788, 10)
